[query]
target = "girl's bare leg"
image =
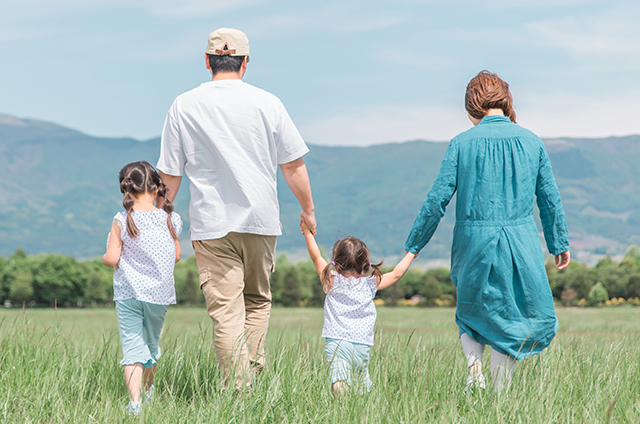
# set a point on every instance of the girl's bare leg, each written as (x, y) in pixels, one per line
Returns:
(133, 377)
(149, 373)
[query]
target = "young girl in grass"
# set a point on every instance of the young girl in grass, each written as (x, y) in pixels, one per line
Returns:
(143, 248)
(350, 282)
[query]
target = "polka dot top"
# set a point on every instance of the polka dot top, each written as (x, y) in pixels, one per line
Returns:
(145, 269)
(349, 311)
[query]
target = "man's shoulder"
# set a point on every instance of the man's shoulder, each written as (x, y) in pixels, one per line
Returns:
(240, 87)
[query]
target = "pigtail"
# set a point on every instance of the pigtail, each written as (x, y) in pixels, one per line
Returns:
(128, 206)
(167, 206)
(326, 278)
(377, 272)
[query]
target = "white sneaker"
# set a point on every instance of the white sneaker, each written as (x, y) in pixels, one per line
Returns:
(475, 380)
(133, 408)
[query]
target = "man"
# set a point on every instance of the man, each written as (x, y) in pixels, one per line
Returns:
(230, 137)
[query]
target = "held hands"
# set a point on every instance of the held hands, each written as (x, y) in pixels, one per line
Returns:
(308, 222)
(562, 260)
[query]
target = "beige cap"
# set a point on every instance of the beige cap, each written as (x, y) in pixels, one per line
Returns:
(228, 41)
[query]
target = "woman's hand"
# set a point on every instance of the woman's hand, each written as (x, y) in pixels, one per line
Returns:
(562, 260)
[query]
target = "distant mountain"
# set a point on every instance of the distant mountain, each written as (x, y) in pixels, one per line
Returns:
(59, 191)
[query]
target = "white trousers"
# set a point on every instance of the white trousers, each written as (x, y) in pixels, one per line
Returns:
(502, 366)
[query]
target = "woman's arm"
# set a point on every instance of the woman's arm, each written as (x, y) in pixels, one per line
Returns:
(114, 247)
(391, 277)
(314, 252)
(554, 224)
(436, 202)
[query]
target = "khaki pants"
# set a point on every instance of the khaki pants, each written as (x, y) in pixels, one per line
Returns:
(234, 276)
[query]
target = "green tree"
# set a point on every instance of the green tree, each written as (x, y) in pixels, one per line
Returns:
(412, 282)
(633, 288)
(96, 291)
(613, 277)
(582, 283)
(431, 289)
(633, 254)
(444, 278)
(21, 289)
(276, 280)
(291, 290)
(190, 290)
(598, 294)
(59, 278)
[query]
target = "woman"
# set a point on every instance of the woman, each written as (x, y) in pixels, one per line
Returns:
(497, 265)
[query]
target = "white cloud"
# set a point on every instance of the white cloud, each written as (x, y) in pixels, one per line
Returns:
(593, 36)
(575, 115)
(333, 17)
(370, 125)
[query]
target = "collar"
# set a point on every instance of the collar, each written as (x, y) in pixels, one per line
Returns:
(490, 119)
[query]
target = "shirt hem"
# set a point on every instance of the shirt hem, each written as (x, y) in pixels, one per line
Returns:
(219, 234)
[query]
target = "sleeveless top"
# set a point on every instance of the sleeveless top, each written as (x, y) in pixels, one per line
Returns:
(145, 269)
(349, 311)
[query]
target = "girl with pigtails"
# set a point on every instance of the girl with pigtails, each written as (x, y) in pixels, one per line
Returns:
(350, 282)
(143, 248)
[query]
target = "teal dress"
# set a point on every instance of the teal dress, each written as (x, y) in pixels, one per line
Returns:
(498, 170)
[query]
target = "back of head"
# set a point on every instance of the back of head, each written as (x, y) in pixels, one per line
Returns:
(137, 178)
(226, 50)
(487, 91)
(350, 255)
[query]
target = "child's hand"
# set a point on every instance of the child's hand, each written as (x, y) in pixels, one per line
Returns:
(305, 230)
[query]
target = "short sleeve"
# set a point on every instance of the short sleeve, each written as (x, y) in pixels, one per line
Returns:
(177, 222)
(289, 143)
(172, 157)
(121, 221)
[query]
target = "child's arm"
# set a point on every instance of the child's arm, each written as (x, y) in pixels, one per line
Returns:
(391, 277)
(178, 250)
(318, 261)
(114, 247)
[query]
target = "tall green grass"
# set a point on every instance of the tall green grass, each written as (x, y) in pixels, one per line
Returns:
(62, 367)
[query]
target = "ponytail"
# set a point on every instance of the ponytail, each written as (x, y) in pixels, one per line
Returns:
(128, 206)
(326, 278)
(167, 206)
(377, 272)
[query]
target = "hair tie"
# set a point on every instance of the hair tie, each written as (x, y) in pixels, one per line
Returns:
(370, 264)
(333, 263)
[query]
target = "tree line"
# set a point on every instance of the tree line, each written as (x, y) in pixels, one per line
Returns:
(56, 280)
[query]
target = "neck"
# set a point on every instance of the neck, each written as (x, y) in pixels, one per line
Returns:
(498, 112)
(227, 75)
(144, 202)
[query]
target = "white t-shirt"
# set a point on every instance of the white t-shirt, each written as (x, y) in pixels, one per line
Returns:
(229, 137)
(349, 311)
(145, 268)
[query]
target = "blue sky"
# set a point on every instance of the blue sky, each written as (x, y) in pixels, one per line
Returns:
(350, 73)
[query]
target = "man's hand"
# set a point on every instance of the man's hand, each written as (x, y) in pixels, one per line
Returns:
(308, 222)
(562, 260)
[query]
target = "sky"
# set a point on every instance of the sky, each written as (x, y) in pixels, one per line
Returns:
(349, 72)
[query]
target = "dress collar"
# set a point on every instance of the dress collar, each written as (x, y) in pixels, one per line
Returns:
(489, 119)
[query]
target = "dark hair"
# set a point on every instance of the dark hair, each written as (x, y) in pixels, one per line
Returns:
(487, 91)
(225, 63)
(350, 255)
(137, 178)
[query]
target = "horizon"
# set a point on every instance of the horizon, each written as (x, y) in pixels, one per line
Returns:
(157, 137)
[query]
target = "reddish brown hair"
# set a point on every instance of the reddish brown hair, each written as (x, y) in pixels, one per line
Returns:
(350, 255)
(487, 91)
(137, 178)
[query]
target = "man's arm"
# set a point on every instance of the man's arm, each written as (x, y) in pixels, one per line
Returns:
(295, 174)
(173, 185)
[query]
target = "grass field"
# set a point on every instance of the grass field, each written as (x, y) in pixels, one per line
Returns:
(62, 367)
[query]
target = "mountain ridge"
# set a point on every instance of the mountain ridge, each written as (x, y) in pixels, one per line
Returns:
(60, 191)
